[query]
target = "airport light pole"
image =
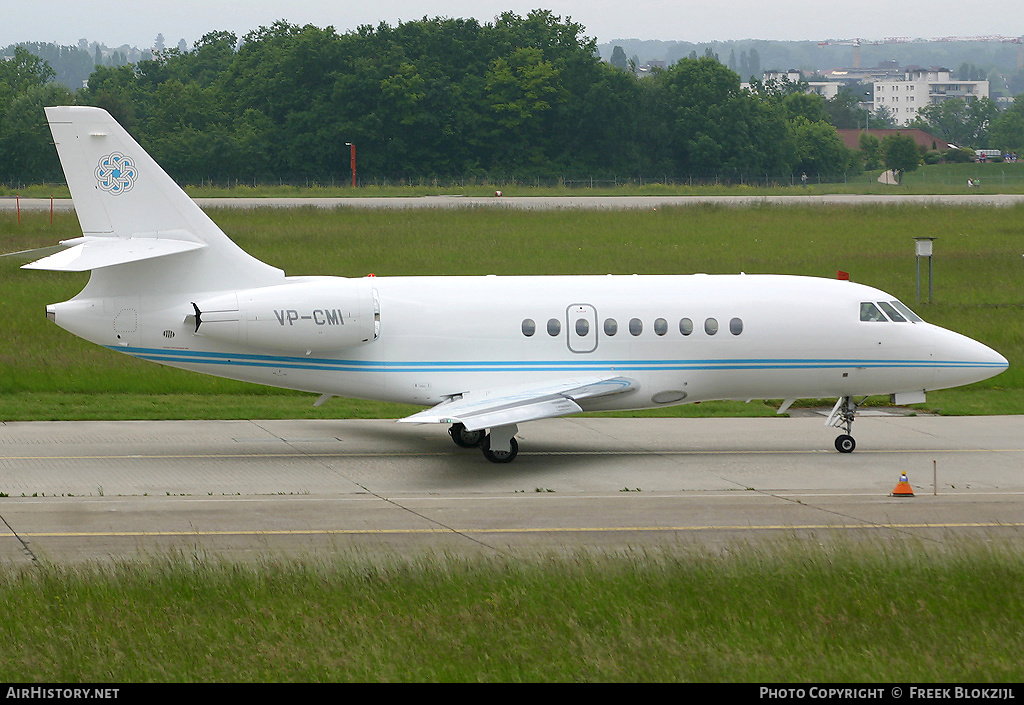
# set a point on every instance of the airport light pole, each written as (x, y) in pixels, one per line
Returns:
(352, 153)
(923, 248)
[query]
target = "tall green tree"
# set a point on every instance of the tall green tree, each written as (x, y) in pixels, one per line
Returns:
(1007, 130)
(844, 111)
(961, 122)
(26, 147)
(818, 149)
(23, 71)
(900, 155)
(715, 127)
(870, 151)
(618, 59)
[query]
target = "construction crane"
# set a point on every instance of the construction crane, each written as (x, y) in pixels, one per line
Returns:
(855, 43)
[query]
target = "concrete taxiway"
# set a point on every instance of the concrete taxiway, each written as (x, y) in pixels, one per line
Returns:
(252, 489)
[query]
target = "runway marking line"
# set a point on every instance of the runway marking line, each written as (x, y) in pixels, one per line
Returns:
(638, 529)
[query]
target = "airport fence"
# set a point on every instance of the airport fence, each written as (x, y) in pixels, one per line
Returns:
(989, 175)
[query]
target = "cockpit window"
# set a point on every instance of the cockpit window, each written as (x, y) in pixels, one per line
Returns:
(891, 312)
(910, 315)
(870, 312)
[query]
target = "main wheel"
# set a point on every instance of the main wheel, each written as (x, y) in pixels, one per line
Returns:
(464, 438)
(500, 456)
(845, 443)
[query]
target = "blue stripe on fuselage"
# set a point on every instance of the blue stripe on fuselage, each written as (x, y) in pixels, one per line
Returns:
(340, 365)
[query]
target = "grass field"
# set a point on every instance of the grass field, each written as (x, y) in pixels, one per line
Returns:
(46, 373)
(789, 613)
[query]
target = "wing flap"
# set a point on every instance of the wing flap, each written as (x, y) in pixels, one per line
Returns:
(85, 253)
(508, 405)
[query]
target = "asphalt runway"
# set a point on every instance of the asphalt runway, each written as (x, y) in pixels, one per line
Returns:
(556, 202)
(101, 491)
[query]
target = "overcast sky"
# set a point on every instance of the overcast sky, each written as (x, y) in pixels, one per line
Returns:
(116, 22)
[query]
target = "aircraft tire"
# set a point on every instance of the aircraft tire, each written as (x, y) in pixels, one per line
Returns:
(464, 438)
(500, 456)
(845, 443)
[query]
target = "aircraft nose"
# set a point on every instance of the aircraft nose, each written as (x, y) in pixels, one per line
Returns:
(963, 360)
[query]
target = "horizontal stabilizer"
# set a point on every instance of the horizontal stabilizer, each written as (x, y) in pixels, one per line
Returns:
(35, 253)
(511, 405)
(86, 253)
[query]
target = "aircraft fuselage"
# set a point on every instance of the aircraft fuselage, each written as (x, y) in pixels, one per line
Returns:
(421, 340)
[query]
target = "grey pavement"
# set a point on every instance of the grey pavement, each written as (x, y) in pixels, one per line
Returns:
(116, 490)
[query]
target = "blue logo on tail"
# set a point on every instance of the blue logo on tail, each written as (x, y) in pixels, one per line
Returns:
(116, 173)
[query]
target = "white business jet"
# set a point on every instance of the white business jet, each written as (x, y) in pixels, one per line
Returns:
(484, 353)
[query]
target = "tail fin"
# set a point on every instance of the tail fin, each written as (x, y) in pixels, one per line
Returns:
(134, 216)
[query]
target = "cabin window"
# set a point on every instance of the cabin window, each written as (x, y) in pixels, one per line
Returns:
(869, 312)
(660, 326)
(554, 327)
(611, 326)
(582, 327)
(711, 326)
(636, 326)
(685, 326)
(736, 326)
(529, 327)
(892, 313)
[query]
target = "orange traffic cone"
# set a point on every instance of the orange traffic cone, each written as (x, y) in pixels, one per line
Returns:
(903, 488)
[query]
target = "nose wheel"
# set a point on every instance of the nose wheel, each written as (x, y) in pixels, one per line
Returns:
(845, 443)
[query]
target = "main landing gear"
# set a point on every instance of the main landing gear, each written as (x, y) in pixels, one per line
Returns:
(498, 446)
(464, 438)
(842, 417)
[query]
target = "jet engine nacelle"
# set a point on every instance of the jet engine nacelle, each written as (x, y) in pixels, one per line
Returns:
(311, 315)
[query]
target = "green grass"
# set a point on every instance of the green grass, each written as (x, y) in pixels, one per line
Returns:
(47, 373)
(791, 612)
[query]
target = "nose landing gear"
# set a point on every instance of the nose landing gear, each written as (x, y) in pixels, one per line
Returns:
(842, 417)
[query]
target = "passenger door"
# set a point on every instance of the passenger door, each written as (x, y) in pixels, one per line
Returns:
(581, 328)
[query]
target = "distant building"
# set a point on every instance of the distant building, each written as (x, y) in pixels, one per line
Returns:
(826, 89)
(884, 71)
(902, 91)
(650, 66)
(918, 87)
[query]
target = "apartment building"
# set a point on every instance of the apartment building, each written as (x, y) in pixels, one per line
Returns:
(919, 87)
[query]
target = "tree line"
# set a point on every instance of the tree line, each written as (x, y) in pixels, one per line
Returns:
(518, 97)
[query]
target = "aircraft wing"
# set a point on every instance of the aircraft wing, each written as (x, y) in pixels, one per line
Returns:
(526, 402)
